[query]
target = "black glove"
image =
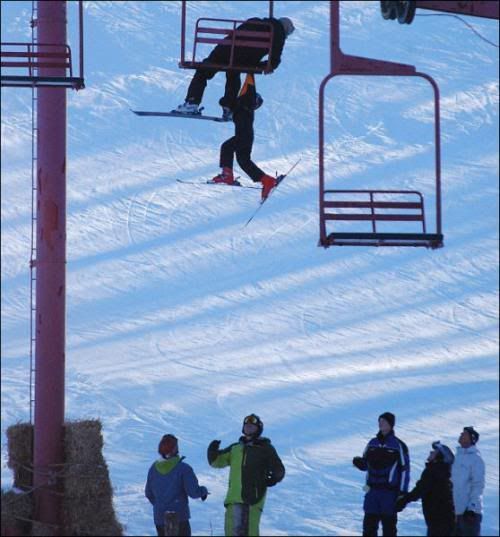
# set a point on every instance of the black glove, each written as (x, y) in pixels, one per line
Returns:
(270, 480)
(360, 463)
(469, 516)
(204, 493)
(214, 444)
(401, 502)
(213, 451)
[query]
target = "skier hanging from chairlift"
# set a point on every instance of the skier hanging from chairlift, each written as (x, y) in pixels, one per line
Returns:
(243, 56)
(241, 143)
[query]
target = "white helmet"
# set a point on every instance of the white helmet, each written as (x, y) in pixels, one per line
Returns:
(287, 25)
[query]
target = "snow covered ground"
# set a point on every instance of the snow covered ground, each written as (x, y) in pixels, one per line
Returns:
(179, 320)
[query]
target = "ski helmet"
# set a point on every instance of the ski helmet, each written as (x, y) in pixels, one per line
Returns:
(444, 452)
(253, 419)
(168, 446)
(258, 101)
(287, 25)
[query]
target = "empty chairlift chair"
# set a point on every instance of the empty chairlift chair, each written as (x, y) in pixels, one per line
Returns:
(34, 64)
(371, 206)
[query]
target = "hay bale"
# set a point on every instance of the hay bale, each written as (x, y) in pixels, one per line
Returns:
(87, 507)
(17, 510)
(42, 530)
(83, 442)
(20, 448)
(84, 518)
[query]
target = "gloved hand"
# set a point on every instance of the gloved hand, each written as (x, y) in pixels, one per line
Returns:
(270, 480)
(214, 444)
(213, 451)
(263, 65)
(469, 516)
(204, 493)
(360, 463)
(401, 502)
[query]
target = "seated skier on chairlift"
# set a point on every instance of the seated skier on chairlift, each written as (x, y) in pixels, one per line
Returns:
(243, 56)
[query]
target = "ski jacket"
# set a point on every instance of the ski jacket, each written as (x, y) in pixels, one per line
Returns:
(467, 475)
(387, 461)
(436, 491)
(168, 486)
(254, 466)
(252, 56)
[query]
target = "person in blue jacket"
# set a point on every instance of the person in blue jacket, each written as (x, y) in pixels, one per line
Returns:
(387, 463)
(170, 482)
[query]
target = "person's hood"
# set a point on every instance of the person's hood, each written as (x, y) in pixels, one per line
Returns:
(259, 441)
(165, 466)
(439, 468)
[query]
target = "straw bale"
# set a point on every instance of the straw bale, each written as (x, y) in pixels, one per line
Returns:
(83, 441)
(17, 510)
(88, 496)
(90, 517)
(42, 530)
(20, 448)
(86, 480)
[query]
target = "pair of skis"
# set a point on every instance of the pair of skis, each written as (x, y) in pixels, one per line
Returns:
(235, 184)
(279, 179)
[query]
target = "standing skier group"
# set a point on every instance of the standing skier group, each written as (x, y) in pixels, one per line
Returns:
(450, 487)
(240, 104)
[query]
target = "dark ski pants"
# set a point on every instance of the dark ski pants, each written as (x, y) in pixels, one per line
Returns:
(219, 55)
(241, 145)
(371, 522)
(465, 528)
(439, 530)
(184, 529)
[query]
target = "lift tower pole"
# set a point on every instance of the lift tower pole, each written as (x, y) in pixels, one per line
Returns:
(50, 269)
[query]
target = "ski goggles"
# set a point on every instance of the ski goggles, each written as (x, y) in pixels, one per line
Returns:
(254, 420)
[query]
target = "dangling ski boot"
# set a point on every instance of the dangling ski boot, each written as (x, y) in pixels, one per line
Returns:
(227, 114)
(226, 177)
(227, 108)
(268, 183)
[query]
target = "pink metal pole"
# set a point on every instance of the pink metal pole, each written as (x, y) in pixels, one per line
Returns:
(50, 272)
(183, 32)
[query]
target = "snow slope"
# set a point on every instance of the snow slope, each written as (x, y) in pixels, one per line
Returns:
(179, 320)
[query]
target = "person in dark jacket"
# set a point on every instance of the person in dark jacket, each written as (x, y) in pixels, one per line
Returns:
(387, 463)
(254, 467)
(241, 143)
(170, 482)
(243, 56)
(436, 491)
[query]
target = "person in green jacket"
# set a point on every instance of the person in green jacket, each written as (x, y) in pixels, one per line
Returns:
(254, 466)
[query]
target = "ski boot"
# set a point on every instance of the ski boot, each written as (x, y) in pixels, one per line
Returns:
(188, 108)
(227, 114)
(225, 177)
(268, 183)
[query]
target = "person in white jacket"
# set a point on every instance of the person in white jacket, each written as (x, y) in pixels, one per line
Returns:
(467, 475)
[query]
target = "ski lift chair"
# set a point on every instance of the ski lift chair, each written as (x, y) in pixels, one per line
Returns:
(29, 64)
(374, 206)
(213, 31)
